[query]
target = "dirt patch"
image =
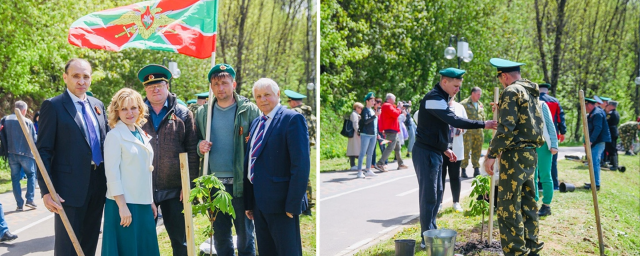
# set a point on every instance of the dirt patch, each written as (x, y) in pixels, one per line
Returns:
(477, 247)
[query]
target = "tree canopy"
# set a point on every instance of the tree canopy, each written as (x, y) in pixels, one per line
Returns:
(260, 38)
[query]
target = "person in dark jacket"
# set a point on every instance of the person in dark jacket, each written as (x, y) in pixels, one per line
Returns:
(432, 140)
(368, 132)
(598, 136)
(613, 119)
(173, 131)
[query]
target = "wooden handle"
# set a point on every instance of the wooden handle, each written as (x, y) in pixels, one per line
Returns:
(188, 215)
(496, 166)
(47, 180)
(587, 148)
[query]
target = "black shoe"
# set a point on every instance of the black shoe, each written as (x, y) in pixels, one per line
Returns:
(408, 155)
(588, 186)
(7, 237)
(31, 205)
(544, 210)
(476, 172)
(307, 212)
(463, 173)
(19, 209)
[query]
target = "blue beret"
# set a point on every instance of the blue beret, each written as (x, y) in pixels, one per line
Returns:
(222, 68)
(452, 72)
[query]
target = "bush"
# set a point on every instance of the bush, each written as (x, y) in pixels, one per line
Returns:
(331, 142)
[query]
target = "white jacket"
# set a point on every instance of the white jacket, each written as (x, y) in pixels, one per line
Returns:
(458, 144)
(128, 165)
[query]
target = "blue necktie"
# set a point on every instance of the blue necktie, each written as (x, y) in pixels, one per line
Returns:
(256, 145)
(94, 141)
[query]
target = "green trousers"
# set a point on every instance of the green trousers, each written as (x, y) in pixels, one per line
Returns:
(517, 208)
(543, 174)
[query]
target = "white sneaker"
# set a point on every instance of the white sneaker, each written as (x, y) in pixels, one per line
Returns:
(457, 207)
(360, 175)
(371, 173)
(422, 245)
(353, 168)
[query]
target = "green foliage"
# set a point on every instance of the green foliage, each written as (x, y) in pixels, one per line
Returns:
(34, 50)
(332, 143)
(480, 186)
(210, 205)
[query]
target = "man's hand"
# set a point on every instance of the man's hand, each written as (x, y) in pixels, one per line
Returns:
(554, 151)
(181, 195)
(494, 107)
(491, 124)
(561, 138)
(204, 147)
(452, 157)
(289, 215)
(488, 165)
(249, 214)
(51, 205)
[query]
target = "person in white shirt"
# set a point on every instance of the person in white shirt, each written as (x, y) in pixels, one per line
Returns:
(457, 145)
(129, 226)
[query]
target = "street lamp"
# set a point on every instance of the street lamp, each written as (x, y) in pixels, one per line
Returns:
(173, 67)
(463, 53)
(311, 87)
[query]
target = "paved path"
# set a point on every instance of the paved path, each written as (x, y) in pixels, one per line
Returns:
(357, 213)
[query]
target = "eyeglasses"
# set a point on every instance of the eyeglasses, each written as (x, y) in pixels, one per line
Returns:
(154, 86)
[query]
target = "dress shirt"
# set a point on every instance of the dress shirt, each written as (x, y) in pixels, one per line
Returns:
(156, 119)
(78, 106)
(266, 126)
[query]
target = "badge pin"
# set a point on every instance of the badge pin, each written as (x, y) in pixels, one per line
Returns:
(97, 110)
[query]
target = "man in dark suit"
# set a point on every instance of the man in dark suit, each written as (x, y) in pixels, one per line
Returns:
(276, 173)
(71, 134)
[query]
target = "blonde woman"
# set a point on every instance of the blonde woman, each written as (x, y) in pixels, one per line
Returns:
(129, 226)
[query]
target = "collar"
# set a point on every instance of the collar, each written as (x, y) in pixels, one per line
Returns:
(166, 103)
(274, 111)
(75, 98)
(442, 93)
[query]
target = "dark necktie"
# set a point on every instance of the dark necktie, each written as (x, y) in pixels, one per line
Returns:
(94, 140)
(256, 145)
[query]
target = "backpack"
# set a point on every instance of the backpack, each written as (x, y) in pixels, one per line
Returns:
(4, 151)
(347, 128)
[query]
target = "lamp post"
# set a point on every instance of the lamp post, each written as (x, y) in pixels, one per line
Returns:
(173, 67)
(463, 53)
(637, 97)
(311, 87)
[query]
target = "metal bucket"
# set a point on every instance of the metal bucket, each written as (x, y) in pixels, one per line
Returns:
(440, 242)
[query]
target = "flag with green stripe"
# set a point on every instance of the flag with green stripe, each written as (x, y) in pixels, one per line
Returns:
(187, 27)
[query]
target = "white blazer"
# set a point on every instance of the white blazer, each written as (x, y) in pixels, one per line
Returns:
(458, 143)
(128, 165)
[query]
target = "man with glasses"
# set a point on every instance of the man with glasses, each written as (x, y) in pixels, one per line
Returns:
(173, 131)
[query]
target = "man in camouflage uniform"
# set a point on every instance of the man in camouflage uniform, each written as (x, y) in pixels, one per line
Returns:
(202, 99)
(473, 138)
(518, 135)
(628, 132)
(295, 104)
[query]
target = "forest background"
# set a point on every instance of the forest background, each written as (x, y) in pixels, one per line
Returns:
(398, 47)
(259, 38)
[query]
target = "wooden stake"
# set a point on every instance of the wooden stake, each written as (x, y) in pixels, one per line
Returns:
(188, 216)
(47, 181)
(587, 148)
(496, 167)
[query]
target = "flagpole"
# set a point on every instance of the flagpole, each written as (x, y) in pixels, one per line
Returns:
(205, 164)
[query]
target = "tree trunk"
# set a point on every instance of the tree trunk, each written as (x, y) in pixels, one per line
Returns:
(539, 24)
(244, 11)
(555, 69)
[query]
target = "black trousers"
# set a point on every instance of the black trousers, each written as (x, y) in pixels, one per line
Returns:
(610, 147)
(174, 222)
(454, 177)
(85, 222)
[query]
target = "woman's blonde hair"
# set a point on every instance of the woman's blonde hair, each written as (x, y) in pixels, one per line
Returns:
(357, 105)
(126, 97)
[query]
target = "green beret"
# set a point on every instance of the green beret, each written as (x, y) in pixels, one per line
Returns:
(452, 72)
(191, 101)
(204, 95)
(222, 68)
(181, 102)
(153, 73)
(544, 85)
(605, 98)
(590, 100)
(505, 66)
(369, 96)
(294, 95)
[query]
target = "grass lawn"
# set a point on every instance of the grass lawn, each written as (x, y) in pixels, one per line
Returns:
(307, 225)
(5, 177)
(571, 229)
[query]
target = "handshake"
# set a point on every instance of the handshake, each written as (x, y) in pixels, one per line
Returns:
(491, 124)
